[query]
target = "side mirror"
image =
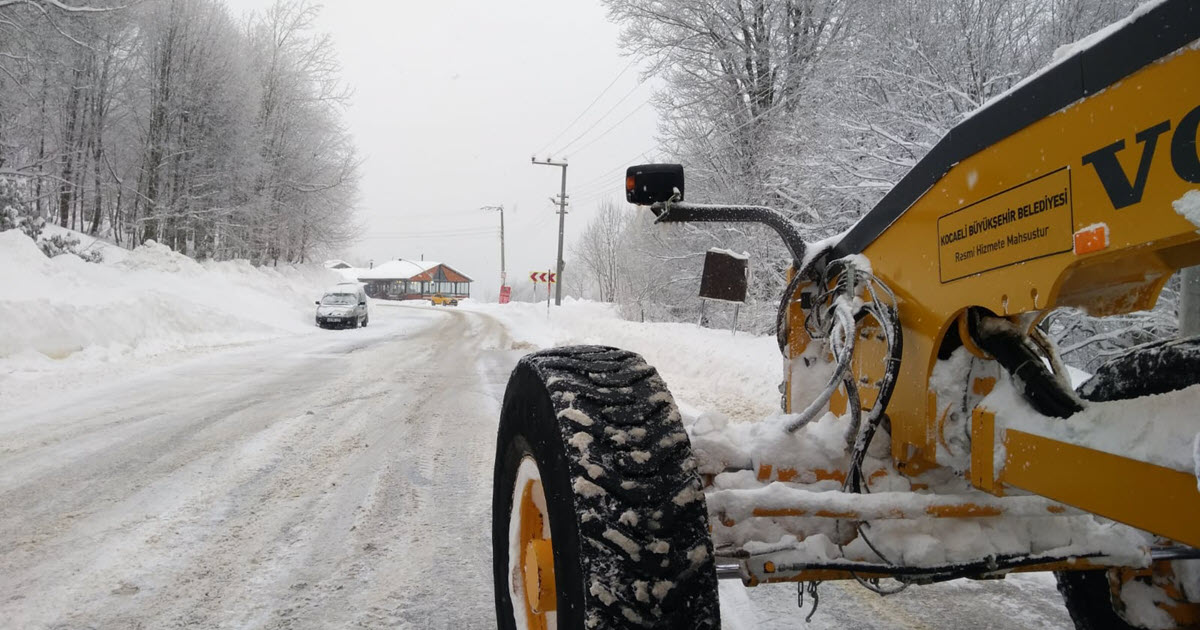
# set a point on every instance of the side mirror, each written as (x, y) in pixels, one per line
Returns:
(648, 184)
(318, 302)
(362, 303)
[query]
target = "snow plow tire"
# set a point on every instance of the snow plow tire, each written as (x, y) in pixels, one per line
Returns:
(1154, 368)
(626, 509)
(1089, 600)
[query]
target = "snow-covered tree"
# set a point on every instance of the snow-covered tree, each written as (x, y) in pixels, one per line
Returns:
(169, 120)
(817, 108)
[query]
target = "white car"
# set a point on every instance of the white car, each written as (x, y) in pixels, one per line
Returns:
(343, 306)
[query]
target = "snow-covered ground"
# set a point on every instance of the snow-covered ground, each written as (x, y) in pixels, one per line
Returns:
(67, 319)
(242, 469)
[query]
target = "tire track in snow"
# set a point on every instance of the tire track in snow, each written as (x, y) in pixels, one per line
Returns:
(302, 497)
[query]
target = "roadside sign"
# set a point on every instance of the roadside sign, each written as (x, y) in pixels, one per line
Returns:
(725, 276)
(505, 294)
(533, 275)
(543, 276)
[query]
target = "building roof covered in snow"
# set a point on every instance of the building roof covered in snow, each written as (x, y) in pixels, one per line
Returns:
(414, 271)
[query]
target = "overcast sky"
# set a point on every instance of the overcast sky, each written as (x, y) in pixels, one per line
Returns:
(453, 97)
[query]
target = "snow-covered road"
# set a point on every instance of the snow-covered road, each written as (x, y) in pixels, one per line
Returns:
(332, 480)
(335, 480)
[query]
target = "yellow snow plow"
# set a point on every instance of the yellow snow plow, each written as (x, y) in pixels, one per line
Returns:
(930, 431)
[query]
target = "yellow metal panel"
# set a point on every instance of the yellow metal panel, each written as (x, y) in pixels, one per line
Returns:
(1156, 499)
(1012, 193)
(983, 441)
(1025, 222)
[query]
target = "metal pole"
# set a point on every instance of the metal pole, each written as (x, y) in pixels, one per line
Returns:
(1189, 302)
(503, 274)
(562, 213)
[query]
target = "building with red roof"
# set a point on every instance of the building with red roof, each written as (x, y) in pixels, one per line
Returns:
(414, 280)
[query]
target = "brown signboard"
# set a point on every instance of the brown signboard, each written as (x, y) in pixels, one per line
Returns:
(725, 276)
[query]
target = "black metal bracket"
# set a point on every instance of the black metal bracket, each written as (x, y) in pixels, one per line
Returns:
(668, 212)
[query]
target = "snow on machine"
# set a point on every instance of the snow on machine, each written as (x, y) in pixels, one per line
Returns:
(930, 431)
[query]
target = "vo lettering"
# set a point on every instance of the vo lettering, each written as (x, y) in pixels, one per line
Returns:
(1185, 159)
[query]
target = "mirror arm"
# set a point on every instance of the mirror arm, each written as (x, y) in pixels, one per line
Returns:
(668, 212)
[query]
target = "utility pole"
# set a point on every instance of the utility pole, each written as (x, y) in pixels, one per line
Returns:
(562, 213)
(503, 275)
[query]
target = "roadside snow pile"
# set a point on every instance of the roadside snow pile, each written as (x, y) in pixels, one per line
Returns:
(142, 302)
(86, 245)
(726, 375)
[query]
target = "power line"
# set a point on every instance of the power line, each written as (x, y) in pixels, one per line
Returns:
(439, 235)
(666, 56)
(587, 191)
(620, 166)
(470, 228)
(602, 181)
(610, 184)
(589, 107)
(610, 129)
(435, 234)
(435, 213)
(377, 237)
(601, 193)
(600, 119)
(595, 197)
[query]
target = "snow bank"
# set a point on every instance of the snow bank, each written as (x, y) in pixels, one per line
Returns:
(109, 252)
(728, 376)
(140, 302)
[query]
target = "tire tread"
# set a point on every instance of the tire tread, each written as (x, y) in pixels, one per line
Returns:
(620, 393)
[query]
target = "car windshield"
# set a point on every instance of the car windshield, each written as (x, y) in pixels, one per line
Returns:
(339, 299)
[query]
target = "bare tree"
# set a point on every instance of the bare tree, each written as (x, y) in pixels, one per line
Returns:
(599, 249)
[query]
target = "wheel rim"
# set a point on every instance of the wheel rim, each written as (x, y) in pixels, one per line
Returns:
(531, 553)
